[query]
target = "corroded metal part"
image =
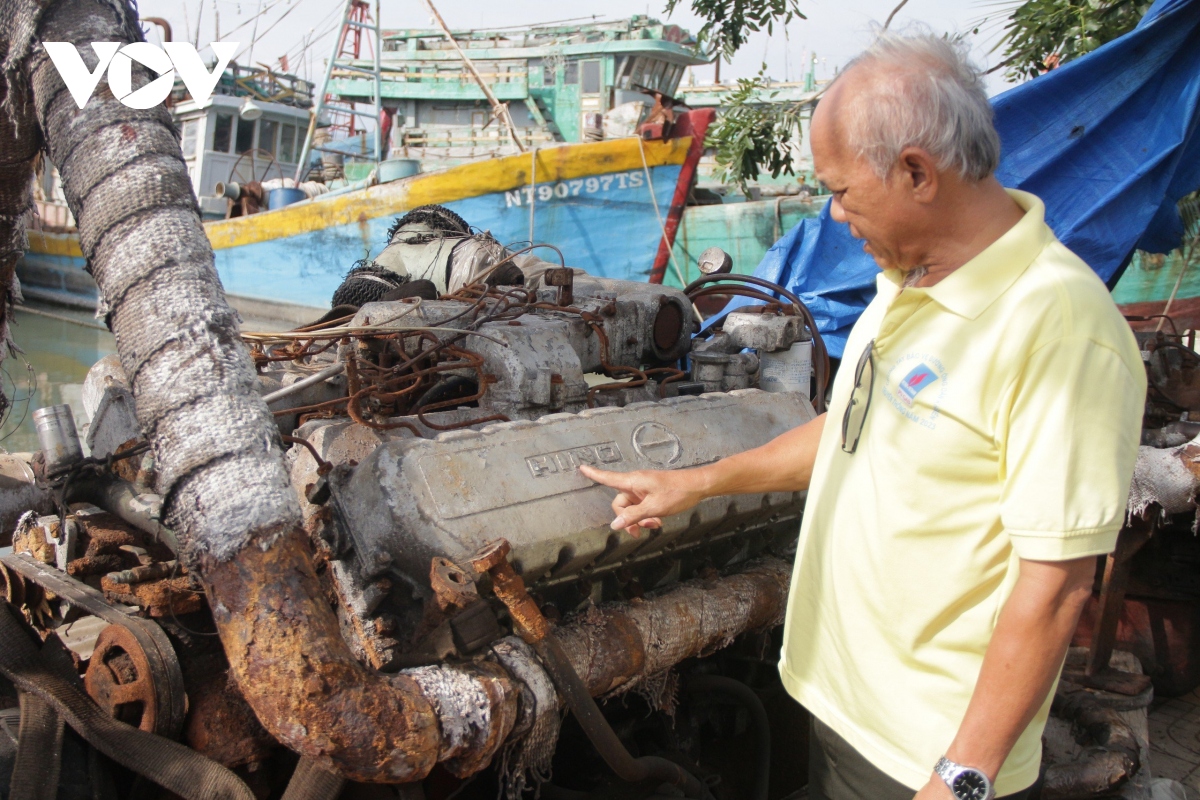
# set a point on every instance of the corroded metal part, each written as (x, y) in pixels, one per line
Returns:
(166, 678)
(220, 724)
(288, 657)
(507, 585)
(289, 660)
(161, 598)
(122, 682)
(452, 586)
(413, 500)
(1110, 756)
(613, 648)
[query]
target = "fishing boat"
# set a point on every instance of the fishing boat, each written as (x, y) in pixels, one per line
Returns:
(583, 153)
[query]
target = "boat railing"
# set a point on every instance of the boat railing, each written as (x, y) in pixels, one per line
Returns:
(435, 74)
(450, 138)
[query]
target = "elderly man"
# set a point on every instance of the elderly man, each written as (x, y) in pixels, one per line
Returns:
(975, 459)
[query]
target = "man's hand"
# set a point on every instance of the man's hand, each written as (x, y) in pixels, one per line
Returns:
(783, 464)
(936, 789)
(646, 496)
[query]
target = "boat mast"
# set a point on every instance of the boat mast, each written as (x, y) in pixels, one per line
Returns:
(500, 110)
(323, 98)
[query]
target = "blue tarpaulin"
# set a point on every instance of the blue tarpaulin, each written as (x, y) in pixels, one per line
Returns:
(1109, 142)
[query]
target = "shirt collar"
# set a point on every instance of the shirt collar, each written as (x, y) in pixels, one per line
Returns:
(970, 289)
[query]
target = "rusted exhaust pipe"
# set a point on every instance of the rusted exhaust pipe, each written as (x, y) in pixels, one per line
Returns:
(289, 659)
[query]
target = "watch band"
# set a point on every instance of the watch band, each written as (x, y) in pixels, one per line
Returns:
(965, 783)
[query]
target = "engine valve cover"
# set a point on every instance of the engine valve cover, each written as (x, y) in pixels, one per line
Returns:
(414, 499)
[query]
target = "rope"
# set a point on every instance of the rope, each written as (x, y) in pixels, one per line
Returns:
(310, 782)
(61, 318)
(533, 189)
(1186, 252)
(661, 225)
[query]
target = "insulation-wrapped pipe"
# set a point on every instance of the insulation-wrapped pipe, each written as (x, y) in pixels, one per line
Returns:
(221, 474)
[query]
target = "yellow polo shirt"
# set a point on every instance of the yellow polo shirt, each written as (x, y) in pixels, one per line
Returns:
(1004, 424)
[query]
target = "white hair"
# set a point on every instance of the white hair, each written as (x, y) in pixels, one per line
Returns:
(927, 94)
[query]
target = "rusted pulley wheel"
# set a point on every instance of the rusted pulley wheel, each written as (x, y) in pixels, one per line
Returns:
(14, 586)
(122, 681)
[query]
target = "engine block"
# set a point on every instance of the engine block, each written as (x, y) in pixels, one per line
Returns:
(414, 500)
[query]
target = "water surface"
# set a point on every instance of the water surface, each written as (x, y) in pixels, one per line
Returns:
(58, 352)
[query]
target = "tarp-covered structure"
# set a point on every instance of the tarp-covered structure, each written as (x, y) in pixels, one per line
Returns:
(1109, 142)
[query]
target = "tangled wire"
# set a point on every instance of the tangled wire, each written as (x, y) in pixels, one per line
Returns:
(396, 370)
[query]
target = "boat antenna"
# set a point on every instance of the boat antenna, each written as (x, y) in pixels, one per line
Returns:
(254, 35)
(500, 110)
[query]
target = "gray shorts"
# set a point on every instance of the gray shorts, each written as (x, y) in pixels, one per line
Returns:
(836, 771)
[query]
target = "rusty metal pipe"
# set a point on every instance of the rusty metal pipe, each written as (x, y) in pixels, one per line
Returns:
(288, 657)
(619, 646)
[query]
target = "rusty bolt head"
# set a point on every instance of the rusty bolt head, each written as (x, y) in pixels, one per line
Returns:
(491, 555)
(559, 276)
(452, 586)
(318, 493)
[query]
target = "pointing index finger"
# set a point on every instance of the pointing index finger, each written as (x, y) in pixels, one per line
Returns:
(615, 480)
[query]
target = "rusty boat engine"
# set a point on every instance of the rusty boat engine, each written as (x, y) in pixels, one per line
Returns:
(452, 552)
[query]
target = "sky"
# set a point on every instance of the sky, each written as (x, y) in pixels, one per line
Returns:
(835, 29)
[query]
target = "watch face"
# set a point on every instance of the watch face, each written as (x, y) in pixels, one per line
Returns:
(970, 785)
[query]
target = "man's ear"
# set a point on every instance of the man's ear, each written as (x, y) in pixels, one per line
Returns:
(919, 172)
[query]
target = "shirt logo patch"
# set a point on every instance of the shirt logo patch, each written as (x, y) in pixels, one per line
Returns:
(905, 384)
(916, 380)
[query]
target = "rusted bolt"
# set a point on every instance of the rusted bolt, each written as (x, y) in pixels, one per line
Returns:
(564, 279)
(452, 586)
(491, 555)
(507, 585)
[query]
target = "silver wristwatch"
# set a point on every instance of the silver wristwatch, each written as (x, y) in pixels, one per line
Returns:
(966, 783)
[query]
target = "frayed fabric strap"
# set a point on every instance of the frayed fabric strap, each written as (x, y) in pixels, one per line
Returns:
(169, 764)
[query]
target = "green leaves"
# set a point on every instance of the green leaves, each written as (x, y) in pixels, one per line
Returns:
(1043, 33)
(752, 134)
(728, 23)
